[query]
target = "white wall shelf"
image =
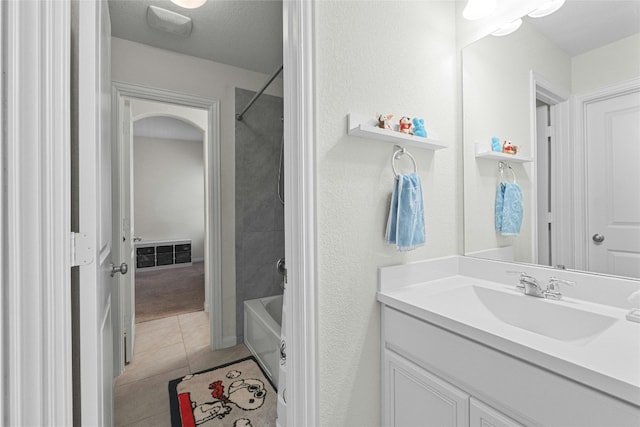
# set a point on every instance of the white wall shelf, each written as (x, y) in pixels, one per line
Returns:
(483, 151)
(364, 127)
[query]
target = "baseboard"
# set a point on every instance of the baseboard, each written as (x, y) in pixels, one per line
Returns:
(229, 341)
(194, 260)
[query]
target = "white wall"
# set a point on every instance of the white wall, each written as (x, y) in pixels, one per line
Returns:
(497, 102)
(374, 56)
(605, 66)
(169, 191)
(144, 65)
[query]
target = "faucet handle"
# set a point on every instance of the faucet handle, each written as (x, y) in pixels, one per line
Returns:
(524, 278)
(553, 287)
(516, 272)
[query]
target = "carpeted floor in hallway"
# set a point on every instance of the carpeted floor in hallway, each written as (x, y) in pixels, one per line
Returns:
(169, 292)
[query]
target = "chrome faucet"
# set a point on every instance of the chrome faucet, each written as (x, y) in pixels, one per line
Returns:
(529, 286)
(553, 287)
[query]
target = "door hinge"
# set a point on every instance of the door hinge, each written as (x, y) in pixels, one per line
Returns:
(549, 132)
(81, 249)
(549, 218)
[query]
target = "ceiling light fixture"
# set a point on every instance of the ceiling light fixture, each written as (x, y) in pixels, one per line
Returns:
(477, 9)
(547, 8)
(171, 22)
(189, 4)
(508, 28)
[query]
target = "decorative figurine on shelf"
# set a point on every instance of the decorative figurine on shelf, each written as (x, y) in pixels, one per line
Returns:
(495, 144)
(405, 125)
(418, 127)
(383, 121)
(509, 148)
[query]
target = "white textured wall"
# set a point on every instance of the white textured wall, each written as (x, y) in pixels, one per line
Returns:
(375, 56)
(144, 65)
(169, 191)
(496, 102)
(605, 66)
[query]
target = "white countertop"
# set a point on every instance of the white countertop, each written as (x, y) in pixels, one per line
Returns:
(608, 361)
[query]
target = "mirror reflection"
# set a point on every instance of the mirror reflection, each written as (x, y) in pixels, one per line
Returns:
(565, 91)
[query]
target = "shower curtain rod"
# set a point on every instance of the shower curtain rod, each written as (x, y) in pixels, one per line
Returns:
(257, 95)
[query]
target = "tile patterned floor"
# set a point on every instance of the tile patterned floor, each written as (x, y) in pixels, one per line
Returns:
(165, 349)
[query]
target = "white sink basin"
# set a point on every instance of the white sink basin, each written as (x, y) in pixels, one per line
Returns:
(552, 319)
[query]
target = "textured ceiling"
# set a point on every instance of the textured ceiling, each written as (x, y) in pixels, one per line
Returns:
(243, 33)
(583, 25)
(248, 33)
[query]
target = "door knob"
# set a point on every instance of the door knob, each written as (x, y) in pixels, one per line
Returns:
(598, 238)
(122, 269)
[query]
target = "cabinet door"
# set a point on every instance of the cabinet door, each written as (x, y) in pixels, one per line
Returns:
(482, 415)
(414, 397)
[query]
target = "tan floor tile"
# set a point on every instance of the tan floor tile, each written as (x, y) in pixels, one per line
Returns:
(195, 330)
(165, 349)
(157, 337)
(151, 363)
(145, 400)
(165, 322)
(203, 358)
(159, 420)
(197, 318)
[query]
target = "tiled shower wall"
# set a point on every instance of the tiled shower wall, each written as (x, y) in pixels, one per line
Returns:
(259, 213)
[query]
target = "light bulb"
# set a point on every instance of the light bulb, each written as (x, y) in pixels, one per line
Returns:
(476, 9)
(547, 8)
(189, 4)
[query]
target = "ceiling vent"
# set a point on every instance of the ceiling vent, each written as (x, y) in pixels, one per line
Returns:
(168, 21)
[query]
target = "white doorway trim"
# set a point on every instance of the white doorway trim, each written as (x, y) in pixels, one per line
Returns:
(35, 214)
(580, 103)
(557, 99)
(212, 195)
(300, 212)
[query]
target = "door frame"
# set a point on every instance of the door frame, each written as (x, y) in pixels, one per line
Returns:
(300, 166)
(557, 98)
(580, 103)
(35, 213)
(212, 201)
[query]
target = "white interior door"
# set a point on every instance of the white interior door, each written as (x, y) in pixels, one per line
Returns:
(612, 131)
(94, 199)
(127, 244)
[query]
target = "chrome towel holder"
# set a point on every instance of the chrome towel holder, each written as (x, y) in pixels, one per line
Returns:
(399, 151)
(501, 166)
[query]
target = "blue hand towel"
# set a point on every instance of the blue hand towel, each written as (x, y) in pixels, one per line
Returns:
(406, 225)
(509, 208)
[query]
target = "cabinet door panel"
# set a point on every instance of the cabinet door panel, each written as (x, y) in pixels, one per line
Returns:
(482, 415)
(418, 398)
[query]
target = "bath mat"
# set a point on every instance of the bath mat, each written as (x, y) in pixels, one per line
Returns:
(237, 394)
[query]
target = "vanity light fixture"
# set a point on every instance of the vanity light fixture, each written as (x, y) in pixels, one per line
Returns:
(169, 21)
(508, 28)
(189, 4)
(547, 8)
(477, 9)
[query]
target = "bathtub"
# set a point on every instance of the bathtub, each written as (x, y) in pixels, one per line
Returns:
(262, 319)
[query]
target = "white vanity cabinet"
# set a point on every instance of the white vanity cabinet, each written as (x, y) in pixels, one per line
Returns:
(481, 415)
(414, 397)
(434, 377)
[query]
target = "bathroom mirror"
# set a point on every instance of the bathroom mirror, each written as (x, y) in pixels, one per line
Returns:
(548, 72)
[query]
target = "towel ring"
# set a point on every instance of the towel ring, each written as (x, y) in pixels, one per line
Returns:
(502, 165)
(400, 151)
